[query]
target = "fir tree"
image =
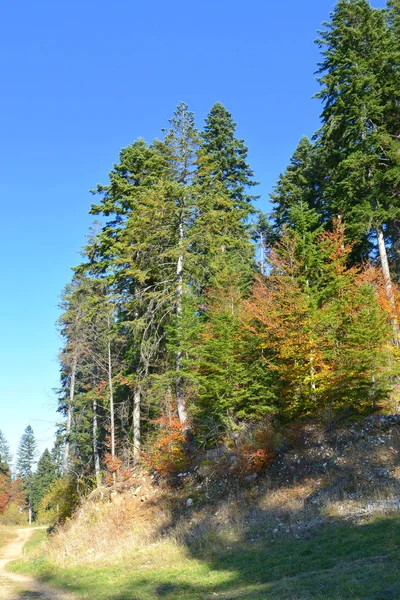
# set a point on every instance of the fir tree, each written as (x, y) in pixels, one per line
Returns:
(26, 459)
(43, 478)
(298, 185)
(223, 158)
(358, 76)
(5, 454)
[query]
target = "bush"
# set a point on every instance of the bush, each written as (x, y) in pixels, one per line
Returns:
(166, 453)
(60, 502)
(14, 515)
(254, 448)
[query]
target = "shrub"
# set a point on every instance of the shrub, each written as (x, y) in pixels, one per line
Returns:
(60, 502)
(14, 515)
(166, 453)
(254, 448)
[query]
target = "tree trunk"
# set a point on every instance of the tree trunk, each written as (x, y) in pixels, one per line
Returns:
(388, 282)
(96, 456)
(396, 246)
(180, 399)
(69, 416)
(136, 424)
(111, 398)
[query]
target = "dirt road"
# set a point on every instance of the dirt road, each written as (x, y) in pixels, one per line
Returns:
(21, 587)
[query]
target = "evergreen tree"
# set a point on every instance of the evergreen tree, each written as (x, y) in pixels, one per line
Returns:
(5, 454)
(358, 76)
(223, 158)
(297, 186)
(5, 474)
(43, 478)
(26, 459)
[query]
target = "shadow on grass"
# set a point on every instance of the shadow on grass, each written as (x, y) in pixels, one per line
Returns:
(333, 561)
(337, 562)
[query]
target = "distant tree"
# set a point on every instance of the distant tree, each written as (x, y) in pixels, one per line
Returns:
(5, 454)
(26, 459)
(45, 475)
(5, 474)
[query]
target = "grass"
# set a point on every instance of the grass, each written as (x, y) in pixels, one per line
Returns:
(337, 562)
(6, 535)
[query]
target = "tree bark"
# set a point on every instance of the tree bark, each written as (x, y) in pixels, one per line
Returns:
(388, 282)
(111, 399)
(96, 456)
(396, 246)
(136, 424)
(69, 416)
(180, 399)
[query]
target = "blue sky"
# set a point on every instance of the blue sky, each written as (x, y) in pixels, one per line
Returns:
(80, 80)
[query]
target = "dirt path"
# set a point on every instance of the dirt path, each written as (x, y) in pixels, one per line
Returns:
(19, 587)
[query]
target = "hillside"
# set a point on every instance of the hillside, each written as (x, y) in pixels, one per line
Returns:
(323, 517)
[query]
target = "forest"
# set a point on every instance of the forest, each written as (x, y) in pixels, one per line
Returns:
(195, 321)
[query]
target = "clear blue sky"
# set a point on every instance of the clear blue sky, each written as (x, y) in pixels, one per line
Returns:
(80, 80)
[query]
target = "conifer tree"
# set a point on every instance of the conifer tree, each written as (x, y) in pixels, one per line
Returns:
(44, 476)
(296, 186)
(360, 151)
(223, 158)
(5, 454)
(26, 459)
(5, 474)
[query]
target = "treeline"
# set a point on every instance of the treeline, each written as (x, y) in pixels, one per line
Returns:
(192, 313)
(23, 490)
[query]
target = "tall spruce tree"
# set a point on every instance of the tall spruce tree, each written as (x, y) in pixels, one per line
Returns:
(26, 460)
(298, 185)
(359, 148)
(223, 158)
(44, 476)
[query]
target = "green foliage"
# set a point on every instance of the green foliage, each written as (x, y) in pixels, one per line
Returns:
(60, 501)
(13, 515)
(168, 317)
(325, 329)
(26, 454)
(43, 478)
(5, 454)
(359, 91)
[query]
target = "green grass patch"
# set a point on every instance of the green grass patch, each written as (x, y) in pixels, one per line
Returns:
(34, 554)
(338, 562)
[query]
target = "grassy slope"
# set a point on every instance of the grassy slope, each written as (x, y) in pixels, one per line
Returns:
(337, 562)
